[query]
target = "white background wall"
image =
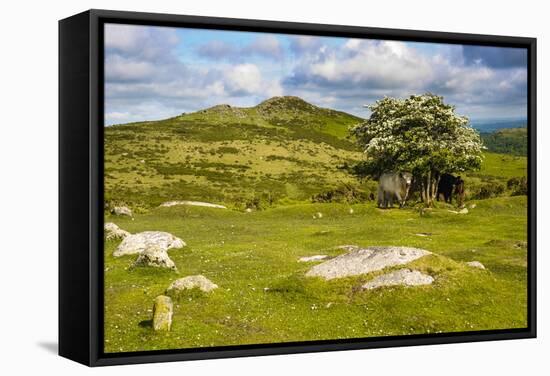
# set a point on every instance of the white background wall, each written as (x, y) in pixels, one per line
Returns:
(28, 206)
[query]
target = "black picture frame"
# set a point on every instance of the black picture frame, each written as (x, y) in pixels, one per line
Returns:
(81, 186)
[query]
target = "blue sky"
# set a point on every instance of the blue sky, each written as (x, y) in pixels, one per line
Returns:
(157, 72)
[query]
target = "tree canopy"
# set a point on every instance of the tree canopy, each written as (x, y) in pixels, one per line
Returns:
(420, 134)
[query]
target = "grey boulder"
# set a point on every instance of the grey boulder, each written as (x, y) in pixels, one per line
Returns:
(191, 282)
(139, 242)
(113, 232)
(154, 257)
(122, 210)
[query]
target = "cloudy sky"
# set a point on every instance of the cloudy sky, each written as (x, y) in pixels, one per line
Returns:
(158, 72)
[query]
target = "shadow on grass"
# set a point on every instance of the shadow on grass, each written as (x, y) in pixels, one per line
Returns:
(146, 324)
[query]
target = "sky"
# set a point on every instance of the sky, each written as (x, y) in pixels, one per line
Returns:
(154, 73)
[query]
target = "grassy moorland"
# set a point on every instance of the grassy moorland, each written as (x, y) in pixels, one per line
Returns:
(277, 159)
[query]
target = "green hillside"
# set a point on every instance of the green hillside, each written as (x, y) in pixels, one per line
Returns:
(282, 148)
(281, 151)
(507, 141)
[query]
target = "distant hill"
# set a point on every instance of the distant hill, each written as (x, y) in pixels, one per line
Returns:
(507, 141)
(284, 147)
(488, 126)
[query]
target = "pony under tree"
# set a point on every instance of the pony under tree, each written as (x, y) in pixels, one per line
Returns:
(421, 134)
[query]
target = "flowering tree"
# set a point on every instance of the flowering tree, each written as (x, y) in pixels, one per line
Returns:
(420, 134)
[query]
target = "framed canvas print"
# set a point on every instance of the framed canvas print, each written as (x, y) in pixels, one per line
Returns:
(236, 187)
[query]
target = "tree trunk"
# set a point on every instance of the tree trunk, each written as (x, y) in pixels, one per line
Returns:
(435, 186)
(423, 190)
(428, 201)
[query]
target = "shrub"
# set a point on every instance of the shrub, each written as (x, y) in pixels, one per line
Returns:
(517, 186)
(345, 193)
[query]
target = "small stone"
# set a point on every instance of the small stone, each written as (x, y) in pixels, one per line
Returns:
(191, 282)
(476, 264)
(402, 277)
(248, 210)
(472, 206)
(155, 257)
(163, 309)
(319, 215)
(122, 210)
(112, 231)
(312, 258)
(351, 210)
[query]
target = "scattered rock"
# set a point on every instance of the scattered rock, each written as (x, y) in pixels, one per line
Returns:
(365, 260)
(476, 264)
(163, 309)
(122, 210)
(351, 210)
(192, 203)
(191, 282)
(312, 258)
(248, 210)
(472, 206)
(155, 257)
(402, 277)
(139, 242)
(112, 231)
(318, 215)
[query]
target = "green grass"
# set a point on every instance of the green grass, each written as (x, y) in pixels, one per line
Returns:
(244, 253)
(503, 165)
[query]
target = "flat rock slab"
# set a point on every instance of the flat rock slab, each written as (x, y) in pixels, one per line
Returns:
(192, 203)
(139, 242)
(312, 258)
(154, 257)
(402, 277)
(112, 231)
(191, 282)
(365, 260)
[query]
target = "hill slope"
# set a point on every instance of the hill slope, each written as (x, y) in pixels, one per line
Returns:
(507, 141)
(282, 148)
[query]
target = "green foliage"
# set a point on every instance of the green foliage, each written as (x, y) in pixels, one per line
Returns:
(418, 134)
(347, 193)
(518, 186)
